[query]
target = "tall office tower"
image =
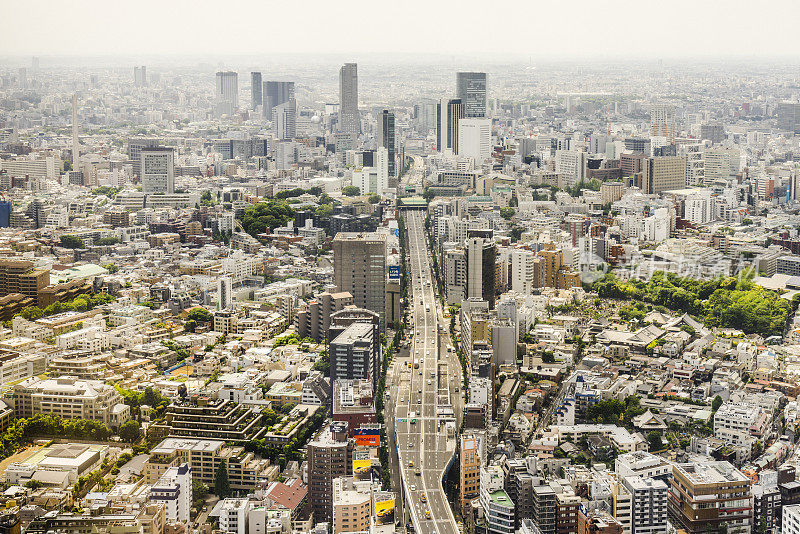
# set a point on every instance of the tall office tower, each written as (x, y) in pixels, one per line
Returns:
(475, 138)
(135, 146)
(481, 259)
(359, 267)
(285, 120)
(274, 94)
(662, 121)
(158, 170)
(448, 113)
(349, 118)
(224, 293)
(256, 88)
(76, 151)
(471, 89)
(789, 116)
(793, 190)
(329, 456)
(386, 138)
(227, 92)
(352, 354)
(663, 174)
(140, 76)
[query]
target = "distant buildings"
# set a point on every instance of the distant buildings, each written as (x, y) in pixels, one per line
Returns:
(256, 90)
(471, 90)
(349, 117)
(227, 93)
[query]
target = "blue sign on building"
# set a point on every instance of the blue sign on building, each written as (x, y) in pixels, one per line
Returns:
(394, 272)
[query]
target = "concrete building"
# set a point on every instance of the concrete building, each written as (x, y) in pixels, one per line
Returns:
(498, 508)
(158, 170)
(663, 174)
(481, 256)
(387, 139)
(352, 505)
(174, 491)
(471, 89)
(475, 138)
(359, 268)
(470, 453)
(694, 485)
(349, 116)
(329, 456)
(649, 504)
(352, 354)
(70, 398)
(315, 320)
(662, 122)
(227, 93)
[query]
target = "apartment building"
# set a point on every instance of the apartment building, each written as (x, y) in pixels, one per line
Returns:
(245, 470)
(203, 417)
(20, 276)
(352, 354)
(649, 504)
(174, 491)
(694, 486)
(329, 456)
(470, 463)
(742, 424)
(359, 268)
(315, 320)
(352, 505)
(70, 398)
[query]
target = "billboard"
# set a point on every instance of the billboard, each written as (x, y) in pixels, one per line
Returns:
(394, 272)
(384, 510)
(361, 461)
(368, 436)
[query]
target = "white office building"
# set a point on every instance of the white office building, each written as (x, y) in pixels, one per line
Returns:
(174, 491)
(158, 170)
(475, 138)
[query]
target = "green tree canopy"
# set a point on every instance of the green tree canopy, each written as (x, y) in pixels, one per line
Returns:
(71, 241)
(351, 191)
(222, 487)
(266, 216)
(130, 431)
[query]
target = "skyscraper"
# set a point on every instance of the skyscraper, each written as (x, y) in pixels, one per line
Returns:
(76, 151)
(481, 259)
(475, 138)
(284, 117)
(256, 87)
(448, 113)
(224, 293)
(359, 267)
(386, 138)
(471, 89)
(349, 118)
(662, 122)
(227, 93)
(140, 76)
(158, 170)
(274, 94)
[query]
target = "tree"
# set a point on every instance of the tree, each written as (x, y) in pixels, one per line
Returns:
(107, 241)
(428, 194)
(199, 490)
(266, 216)
(507, 213)
(716, 403)
(374, 199)
(71, 241)
(130, 431)
(516, 232)
(222, 487)
(654, 439)
(190, 325)
(111, 268)
(200, 315)
(351, 190)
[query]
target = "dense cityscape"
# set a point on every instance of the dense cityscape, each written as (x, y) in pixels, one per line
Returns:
(436, 295)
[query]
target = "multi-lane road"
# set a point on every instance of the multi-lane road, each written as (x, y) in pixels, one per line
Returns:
(422, 387)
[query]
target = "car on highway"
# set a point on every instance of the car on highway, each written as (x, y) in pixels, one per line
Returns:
(429, 381)
(423, 497)
(418, 473)
(412, 487)
(427, 514)
(410, 463)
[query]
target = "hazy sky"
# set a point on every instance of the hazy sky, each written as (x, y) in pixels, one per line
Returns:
(521, 28)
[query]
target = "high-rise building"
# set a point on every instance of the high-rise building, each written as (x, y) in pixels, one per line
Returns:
(649, 504)
(274, 94)
(76, 151)
(597, 522)
(448, 113)
(224, 293)
(135, 146)
(158, 170)
(174, 491)
(470, 454)
(789, 116)
(475, 138)
(349, 117)
(21, 276)
(285, 120)
(471, 89)
(140, 76)
(386, 139)
(663, 174)
(329, 456)
(662, 122)
(498, 508)
(481, 258)
(359, 267)
(315, 320)
(5, 213)
(694, 485)
(352, 354)
(227, 92)
(256, 90)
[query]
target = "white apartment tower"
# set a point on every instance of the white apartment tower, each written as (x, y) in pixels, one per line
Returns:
(158, 170)
(475, 138)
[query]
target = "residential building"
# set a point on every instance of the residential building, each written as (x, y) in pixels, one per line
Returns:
(174, 491)
(329, 456)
